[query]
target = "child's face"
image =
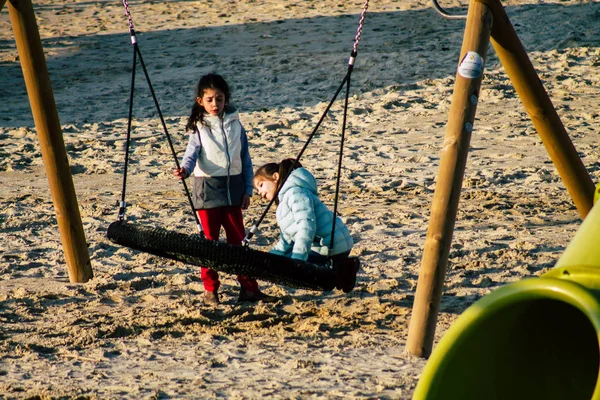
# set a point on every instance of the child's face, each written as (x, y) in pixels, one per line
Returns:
(265, 187)
(212, 100)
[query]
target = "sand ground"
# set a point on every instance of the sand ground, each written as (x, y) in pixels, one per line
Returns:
(139, 328)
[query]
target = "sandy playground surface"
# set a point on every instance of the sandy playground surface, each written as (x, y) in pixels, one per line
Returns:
(139, 328)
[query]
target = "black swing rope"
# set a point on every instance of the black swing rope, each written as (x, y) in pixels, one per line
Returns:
(138, 53)
(346, 82)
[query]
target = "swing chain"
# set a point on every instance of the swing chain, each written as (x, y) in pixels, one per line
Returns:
(359, 30)
(345, 82)
(129, 21)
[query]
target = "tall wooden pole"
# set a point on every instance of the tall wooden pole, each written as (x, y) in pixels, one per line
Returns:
(539, 107)
(449, 181)
(454, 154)
(54, 155)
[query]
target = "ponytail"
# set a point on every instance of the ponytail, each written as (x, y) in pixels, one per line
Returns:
(195, 116)
(285, 168)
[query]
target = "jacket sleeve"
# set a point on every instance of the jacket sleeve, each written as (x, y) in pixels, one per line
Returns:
(247, 171)
(303, 211)
(282, 247)
(191, 153)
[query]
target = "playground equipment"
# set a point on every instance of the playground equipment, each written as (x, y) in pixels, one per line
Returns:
(235, 259)
(45, 116)
(486, 19)
(198, 250)
(534, 339)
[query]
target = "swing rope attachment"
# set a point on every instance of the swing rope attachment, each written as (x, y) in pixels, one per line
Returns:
(345, 82)
(138, 53)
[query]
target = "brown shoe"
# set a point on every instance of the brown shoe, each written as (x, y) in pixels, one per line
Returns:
(345, 273)
(250, 296)
(211, 298)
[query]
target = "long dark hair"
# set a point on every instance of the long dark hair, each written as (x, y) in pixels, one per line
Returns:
(284, 168)
(208, 81)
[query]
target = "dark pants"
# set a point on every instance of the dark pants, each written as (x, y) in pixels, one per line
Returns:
(319, 259)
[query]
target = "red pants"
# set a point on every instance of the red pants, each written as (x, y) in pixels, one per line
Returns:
(230, 218)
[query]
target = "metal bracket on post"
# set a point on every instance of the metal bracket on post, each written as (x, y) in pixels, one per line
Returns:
(444, 13)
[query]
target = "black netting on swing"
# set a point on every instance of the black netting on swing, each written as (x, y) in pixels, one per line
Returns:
(240, 260)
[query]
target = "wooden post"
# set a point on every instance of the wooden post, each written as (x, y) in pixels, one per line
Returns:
(449, 181)
(45, 116)
(540, 109)
(445, 202)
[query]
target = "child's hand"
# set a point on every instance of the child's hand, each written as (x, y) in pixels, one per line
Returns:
(246, 202)
(181, 173)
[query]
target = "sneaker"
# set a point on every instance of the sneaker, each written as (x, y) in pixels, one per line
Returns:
(211, 298)
(251, 296)
(345, 273)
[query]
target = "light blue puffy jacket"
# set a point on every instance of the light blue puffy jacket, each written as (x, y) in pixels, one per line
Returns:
(305, 222)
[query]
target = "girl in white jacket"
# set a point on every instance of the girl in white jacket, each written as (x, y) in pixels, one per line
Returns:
(217, 157)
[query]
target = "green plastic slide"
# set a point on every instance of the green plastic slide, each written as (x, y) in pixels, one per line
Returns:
(534, 339)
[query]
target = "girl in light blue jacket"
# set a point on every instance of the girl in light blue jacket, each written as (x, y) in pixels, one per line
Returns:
(305, 222)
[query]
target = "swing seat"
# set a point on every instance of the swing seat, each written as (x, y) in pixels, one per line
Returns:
(238, 260)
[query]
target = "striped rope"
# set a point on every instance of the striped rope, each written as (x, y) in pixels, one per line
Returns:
(361, 23)
(129, 22)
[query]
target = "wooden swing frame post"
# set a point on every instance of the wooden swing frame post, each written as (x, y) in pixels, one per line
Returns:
(540, 109)
(486, 20)
(54, 155)
(449, 182)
